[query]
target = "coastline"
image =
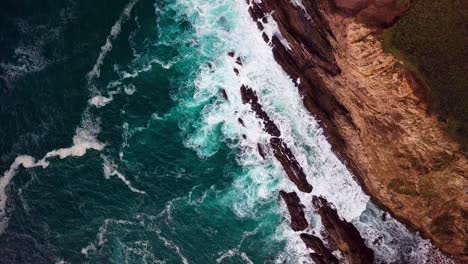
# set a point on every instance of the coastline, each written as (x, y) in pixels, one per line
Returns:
(374, 116)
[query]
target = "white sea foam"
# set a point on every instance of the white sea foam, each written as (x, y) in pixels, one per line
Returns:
(110, 169)
(89, 248)
(84, 140)
(107, 47)
(146, 66)
(280, 99)
(85, 137)
(101, 235)
(391, 240)
(129, 89)
(271, 29)
(100, 101)
(23, 160)
(234, 252)
(299, 4)
(168, 243)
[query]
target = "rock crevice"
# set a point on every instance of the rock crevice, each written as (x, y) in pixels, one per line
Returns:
(372, 112)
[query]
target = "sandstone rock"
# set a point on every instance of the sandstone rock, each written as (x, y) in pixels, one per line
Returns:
(351, 5)
(374, 116)
(374, 12)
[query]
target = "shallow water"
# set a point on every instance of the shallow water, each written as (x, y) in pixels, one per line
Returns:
(133, 154)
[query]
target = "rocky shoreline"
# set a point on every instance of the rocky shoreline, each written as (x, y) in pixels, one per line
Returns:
(374, 115)
(343, 236)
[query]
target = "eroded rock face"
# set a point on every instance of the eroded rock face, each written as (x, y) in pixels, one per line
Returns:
(374, 116)
(374, 12)
(322, 253)
(281, 151)
(351, 5)
(344, 234)
(296, 210)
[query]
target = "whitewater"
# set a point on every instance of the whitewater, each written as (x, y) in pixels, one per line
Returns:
(210, 123)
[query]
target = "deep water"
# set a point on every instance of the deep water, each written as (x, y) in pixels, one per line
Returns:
(185, 212)
(134, 156)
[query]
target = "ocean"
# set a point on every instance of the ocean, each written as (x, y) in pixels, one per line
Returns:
(121, 141)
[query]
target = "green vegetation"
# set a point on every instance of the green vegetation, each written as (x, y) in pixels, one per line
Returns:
(403, 187)
(431, 41)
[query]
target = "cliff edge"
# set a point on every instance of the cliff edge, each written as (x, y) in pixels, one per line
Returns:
(372, 110)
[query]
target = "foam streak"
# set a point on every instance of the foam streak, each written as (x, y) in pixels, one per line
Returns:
(107, 47)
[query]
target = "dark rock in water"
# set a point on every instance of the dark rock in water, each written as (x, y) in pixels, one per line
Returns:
(241, 121)
(244, 136)
(322, 254)
(251, 12)
(260, 150)
(318, 259)
(281, 151)
(344, 234)
(223, 92)
(256, 11)
(231, 53)
(378, 241)
(311, 52)
(260, 26)
(239, 61)
(296, 210)
(384, 216)
(292, 167)
(249, 96)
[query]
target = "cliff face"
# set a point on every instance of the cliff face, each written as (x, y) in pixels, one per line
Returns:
(374, 12)
(374, 114)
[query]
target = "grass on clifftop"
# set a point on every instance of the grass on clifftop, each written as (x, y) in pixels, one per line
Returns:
(431, 39)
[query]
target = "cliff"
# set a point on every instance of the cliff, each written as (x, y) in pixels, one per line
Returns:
(374, 112)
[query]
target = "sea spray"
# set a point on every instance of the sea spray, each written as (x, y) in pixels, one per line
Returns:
(202, 159)
(280, 99)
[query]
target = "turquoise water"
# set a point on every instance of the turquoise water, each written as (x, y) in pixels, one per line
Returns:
(181, 206)
(133, 154)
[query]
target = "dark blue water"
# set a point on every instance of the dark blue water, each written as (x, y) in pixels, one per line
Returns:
(133, 154)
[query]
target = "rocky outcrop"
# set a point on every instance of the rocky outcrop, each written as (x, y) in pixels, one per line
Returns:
(321, 253)
(281, 151)
(296, 210)
(373, 114)
(343, 234)
(374, 12)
